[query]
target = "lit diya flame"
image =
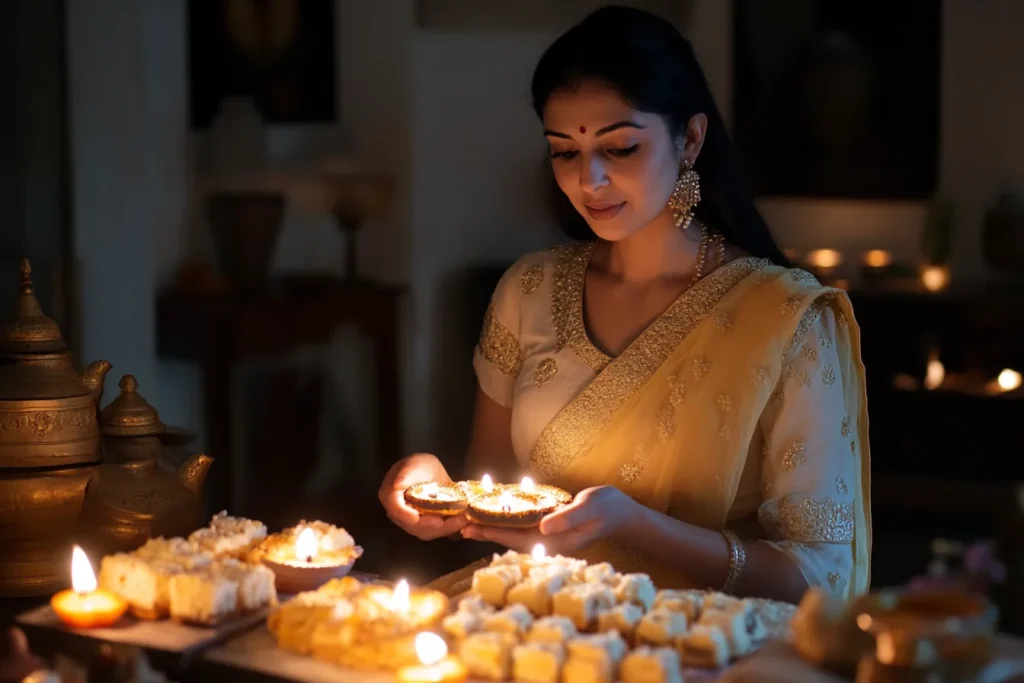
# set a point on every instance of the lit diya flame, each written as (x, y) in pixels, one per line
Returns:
(824, 259)
(430, 648)
(486, 483)
(83, 579)
(527, 485)
(935, 373)
(538, 552)
(935, 278)
(399, 601)
(435, 665)
(83, 606)
(877, 258)
(1009, 380)
(306, 545)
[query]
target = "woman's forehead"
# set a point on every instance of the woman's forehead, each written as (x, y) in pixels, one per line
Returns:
(591, 106)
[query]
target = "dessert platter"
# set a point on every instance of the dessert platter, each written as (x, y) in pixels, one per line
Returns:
(178, 595)
(520, 505)
(526, 617)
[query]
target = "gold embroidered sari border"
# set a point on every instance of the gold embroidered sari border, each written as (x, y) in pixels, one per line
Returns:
(568, 435)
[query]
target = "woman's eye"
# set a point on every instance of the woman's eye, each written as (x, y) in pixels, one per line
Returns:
(622, 151)
(570, 154)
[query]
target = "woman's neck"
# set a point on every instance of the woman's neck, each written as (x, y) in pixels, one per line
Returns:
(659, 251)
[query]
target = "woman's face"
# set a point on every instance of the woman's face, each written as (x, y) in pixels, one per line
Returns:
(615, 164)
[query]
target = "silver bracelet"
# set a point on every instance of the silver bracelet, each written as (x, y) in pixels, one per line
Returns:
(737, 561)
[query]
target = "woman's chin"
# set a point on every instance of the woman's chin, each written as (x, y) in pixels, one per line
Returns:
(613, 230)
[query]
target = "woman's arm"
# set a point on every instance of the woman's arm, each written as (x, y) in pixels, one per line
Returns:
(490, 441)
(703, 555)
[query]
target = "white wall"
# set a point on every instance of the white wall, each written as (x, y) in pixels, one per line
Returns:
(449, 116)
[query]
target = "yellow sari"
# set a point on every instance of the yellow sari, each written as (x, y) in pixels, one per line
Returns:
(674, 419)
(677, 410)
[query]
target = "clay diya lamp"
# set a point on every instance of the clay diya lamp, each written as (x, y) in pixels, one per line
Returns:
(433, 498)
(311, 560)
(512, 508)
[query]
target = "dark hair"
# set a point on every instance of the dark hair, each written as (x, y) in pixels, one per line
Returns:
(654, 68)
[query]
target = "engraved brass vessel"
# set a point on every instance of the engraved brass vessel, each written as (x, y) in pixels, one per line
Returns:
(53, 489)
(47, 410)
(136, 495)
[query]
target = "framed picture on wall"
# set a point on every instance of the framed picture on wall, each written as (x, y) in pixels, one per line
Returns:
(279, 52)
(838, 99)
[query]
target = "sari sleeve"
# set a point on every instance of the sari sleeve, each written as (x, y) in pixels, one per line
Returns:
(810, 467)
(498, 357)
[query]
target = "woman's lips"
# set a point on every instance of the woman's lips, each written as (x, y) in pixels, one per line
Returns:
(604, 210)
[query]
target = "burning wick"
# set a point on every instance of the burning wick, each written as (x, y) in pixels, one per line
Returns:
(306, 545)
(400, 597)
(83, 580)
(538, 552)
(486, 483)
(527, 485)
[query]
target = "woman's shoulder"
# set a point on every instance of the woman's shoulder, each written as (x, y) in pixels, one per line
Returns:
(789, 302)
(534, 270)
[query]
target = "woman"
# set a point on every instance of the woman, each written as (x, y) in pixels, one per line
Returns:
(705, 405)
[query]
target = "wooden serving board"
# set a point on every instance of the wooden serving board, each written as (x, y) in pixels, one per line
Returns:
(169, 644)
(253, 657)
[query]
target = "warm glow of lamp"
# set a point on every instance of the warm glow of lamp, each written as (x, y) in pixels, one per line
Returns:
(306, 545)
(538, 553)
(83, 606)
(824, 258)
(935, 278)
(877, 258)
(83, 578)
(486, 483)
(435, 664)
(935, 373)
(400, 597)
(1009, 380)
(527, 485)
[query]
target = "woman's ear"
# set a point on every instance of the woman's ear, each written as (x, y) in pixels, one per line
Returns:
(691, 140)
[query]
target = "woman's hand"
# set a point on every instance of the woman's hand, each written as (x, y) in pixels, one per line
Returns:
(595, 514)
(416, 469)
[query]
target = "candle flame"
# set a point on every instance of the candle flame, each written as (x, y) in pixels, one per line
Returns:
(430, 648)
(486, 483)
(400, 597)
(527, 485)
(824, 258)
(877, 258)
(83, 579)
(538, 552)
(935, 373)
(934, 278)
(1009, 380)
(306, 545)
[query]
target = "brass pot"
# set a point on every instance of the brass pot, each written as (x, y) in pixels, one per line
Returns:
(139, 496)
(38, 513)
(48, 412)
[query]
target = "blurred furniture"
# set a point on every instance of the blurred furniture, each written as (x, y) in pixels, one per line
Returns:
(217, 330)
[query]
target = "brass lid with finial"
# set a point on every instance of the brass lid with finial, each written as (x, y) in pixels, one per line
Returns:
(30, 331)
(130, 414)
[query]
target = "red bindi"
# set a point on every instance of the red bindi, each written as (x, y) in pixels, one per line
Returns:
(583, 129)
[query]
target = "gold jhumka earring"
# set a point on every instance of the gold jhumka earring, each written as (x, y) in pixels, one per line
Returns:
(685, 196)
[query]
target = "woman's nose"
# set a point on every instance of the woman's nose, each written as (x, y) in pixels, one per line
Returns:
(592, 175)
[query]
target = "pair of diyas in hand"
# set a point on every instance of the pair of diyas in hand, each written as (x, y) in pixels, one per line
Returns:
(519, 506)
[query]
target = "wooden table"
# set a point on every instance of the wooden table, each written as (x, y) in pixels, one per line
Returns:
(218, 330)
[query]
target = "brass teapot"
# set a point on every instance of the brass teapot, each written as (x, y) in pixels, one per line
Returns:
(48, 412)
(135, 495)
